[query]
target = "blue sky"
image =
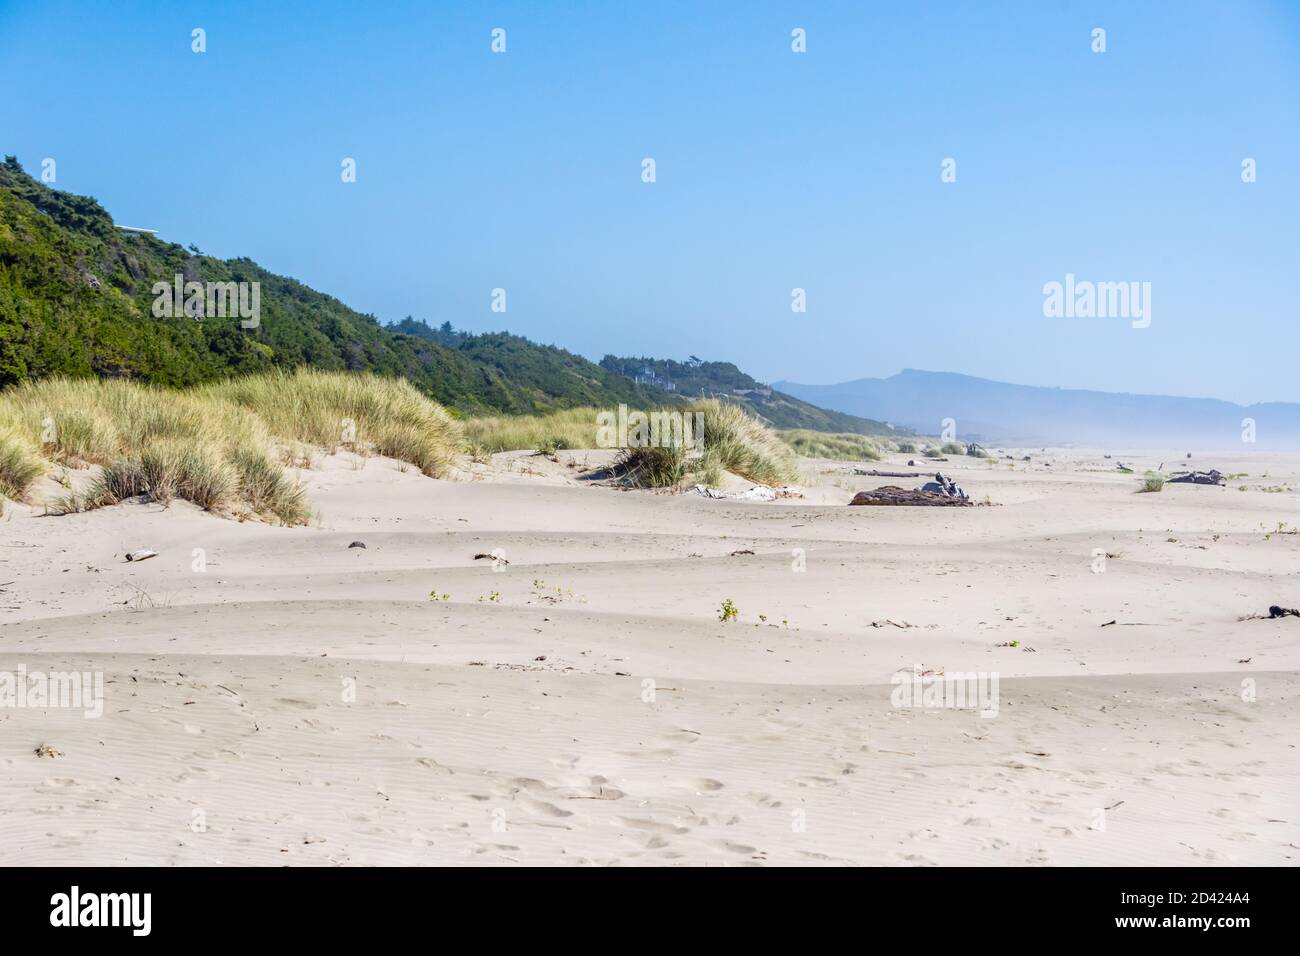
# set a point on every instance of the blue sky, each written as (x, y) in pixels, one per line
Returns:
(775, 170)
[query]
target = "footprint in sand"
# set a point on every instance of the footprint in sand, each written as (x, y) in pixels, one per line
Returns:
(652, 826)
(542, 808)
(600, 791)
(732, 847)
(649, 841)
(421, 839)
(680, 737)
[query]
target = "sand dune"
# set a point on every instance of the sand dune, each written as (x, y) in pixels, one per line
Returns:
(274, 696)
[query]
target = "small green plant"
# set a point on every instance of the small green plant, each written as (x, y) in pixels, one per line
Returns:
(494, 597)
(550, 445)
(435, 596)
(550, 595)
(1153, 481)
(728, 611)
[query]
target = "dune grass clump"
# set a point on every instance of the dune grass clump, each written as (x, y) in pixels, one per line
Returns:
(840, 446)
(167, 470)
(570, 428)
(734, 441)
(654, 467)
(154, 442)
(741, 444)
(1153, 481)
(20, 461)
(387, 416)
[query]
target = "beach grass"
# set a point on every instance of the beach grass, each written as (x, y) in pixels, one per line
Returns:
(570, 428)
(362, 412)
(738, 442)
(150, 441)
(224, 445)
(221, 446)
(1153, 481)
(839, 446)
(734, 441)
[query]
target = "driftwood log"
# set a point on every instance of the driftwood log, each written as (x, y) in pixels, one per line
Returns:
(893, 495)
(889, 474)
(1211, 477)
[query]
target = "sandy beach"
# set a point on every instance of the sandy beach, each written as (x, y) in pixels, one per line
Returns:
(274, 696)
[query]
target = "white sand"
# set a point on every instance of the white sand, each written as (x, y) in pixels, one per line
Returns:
(517, 730)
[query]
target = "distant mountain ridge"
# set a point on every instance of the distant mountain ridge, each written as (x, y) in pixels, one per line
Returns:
(998, 411)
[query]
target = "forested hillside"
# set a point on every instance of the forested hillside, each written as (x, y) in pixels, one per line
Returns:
(76, 300)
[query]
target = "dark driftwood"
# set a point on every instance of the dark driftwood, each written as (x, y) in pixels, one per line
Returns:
(1210, 477)
(889, 474)
(893, 495)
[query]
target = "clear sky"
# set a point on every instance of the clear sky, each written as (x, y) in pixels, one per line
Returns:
(775, 170)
